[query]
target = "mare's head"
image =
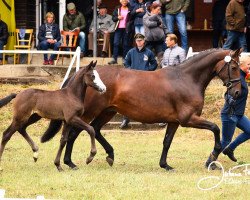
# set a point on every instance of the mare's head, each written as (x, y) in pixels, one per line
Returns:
(228, 70)
(92, 78)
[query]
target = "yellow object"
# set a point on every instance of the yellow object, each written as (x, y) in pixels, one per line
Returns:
(7, 12)
(205, 24)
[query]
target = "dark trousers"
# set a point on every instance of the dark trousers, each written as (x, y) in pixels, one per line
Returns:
(44, 45)
(120, 34)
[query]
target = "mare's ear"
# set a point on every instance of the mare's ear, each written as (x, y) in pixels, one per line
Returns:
(237, 52)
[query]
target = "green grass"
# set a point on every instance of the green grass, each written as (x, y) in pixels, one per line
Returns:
(135, 174)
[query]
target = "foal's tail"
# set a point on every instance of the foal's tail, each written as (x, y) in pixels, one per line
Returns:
(7, 99)
(53, 129)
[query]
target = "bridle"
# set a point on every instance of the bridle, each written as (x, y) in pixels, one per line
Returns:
(230, 83)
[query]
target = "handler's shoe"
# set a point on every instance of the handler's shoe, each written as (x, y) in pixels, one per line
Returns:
(230, 153)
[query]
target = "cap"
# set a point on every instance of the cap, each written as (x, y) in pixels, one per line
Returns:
(103, 6)
(71, 6)
(139, 36)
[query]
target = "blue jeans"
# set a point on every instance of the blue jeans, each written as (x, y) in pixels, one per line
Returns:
(44, 45)
(1, 48)
(180, 19)
(82, 39)
(120, 34)
(235, 37)
(139, 29)
(229, 123)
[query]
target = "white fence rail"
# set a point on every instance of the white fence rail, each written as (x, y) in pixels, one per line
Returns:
(76, 57)
(2, 194)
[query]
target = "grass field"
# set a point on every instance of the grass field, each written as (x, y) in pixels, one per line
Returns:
(135, 174)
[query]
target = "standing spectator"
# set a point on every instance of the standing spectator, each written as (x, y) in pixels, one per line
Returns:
(155, 30)
(235, 18)
(74, 20)
(105, 26)
(232, 116)
(175, 11)
(139, 58)
(3, 37)
(139, 10)
(49, 36)
(174, 54)
(248, 28)
(218, 21)
(121, 16)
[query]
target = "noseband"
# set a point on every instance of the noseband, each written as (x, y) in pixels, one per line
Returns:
(230, 82)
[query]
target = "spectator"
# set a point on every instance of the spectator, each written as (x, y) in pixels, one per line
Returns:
(232, 116)
(155, 30)
(4, 34)
(235, 19)
(49, 36)
(137, 13)
(174, 54)
(74, 20)
(121, 16)
(105, 26)
(139, 58)
(218, 21)
(175, 11)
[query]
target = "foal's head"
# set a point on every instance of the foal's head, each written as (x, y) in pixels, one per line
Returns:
(92, 78)
(228, 71)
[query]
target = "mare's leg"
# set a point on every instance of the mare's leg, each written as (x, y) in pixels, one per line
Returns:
(63, 141)
(98, 123)
(6, 137)
(80, 124)
(198, 122)
(170, 132)
(33, 119)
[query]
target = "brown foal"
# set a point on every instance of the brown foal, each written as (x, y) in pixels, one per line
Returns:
(66, 104)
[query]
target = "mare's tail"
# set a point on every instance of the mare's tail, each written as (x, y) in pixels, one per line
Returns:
(53, 129)
(7, 99)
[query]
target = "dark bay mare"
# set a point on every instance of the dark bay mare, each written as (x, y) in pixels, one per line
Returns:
(66, 104)
(174, 95)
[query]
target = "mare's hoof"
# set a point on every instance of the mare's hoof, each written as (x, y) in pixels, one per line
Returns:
(169, 168)
(110, 161)
(60, 169)
(89, 159)
(74, 168)
(71, 165)
(35, 156)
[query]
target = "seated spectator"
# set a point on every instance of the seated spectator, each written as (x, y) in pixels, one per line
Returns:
(105, 26)
(121, 16)
(174, 54)
(139, 58)
(139, 10)
(74, 20)
(49, 37)
(155, 30)
(3, 37)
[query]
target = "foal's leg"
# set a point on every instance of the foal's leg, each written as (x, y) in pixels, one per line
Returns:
(63, 141)
(198, 122)
(170, 132)
(79, 123)
(6, 137)
(33, 119)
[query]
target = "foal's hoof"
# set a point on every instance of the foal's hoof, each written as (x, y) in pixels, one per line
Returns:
(89, 159)
(110, 161)
(35, 156)
(60, 169)
(75, 168)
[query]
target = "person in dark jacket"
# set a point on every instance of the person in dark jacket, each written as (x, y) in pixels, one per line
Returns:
(123, 30)
(218, 21)
(139, 10)
(3, 37)
(139, 58)
(49, 37)
(233, 115)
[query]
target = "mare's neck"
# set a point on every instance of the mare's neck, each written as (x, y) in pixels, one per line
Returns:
(78, 86)
(201, 71)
